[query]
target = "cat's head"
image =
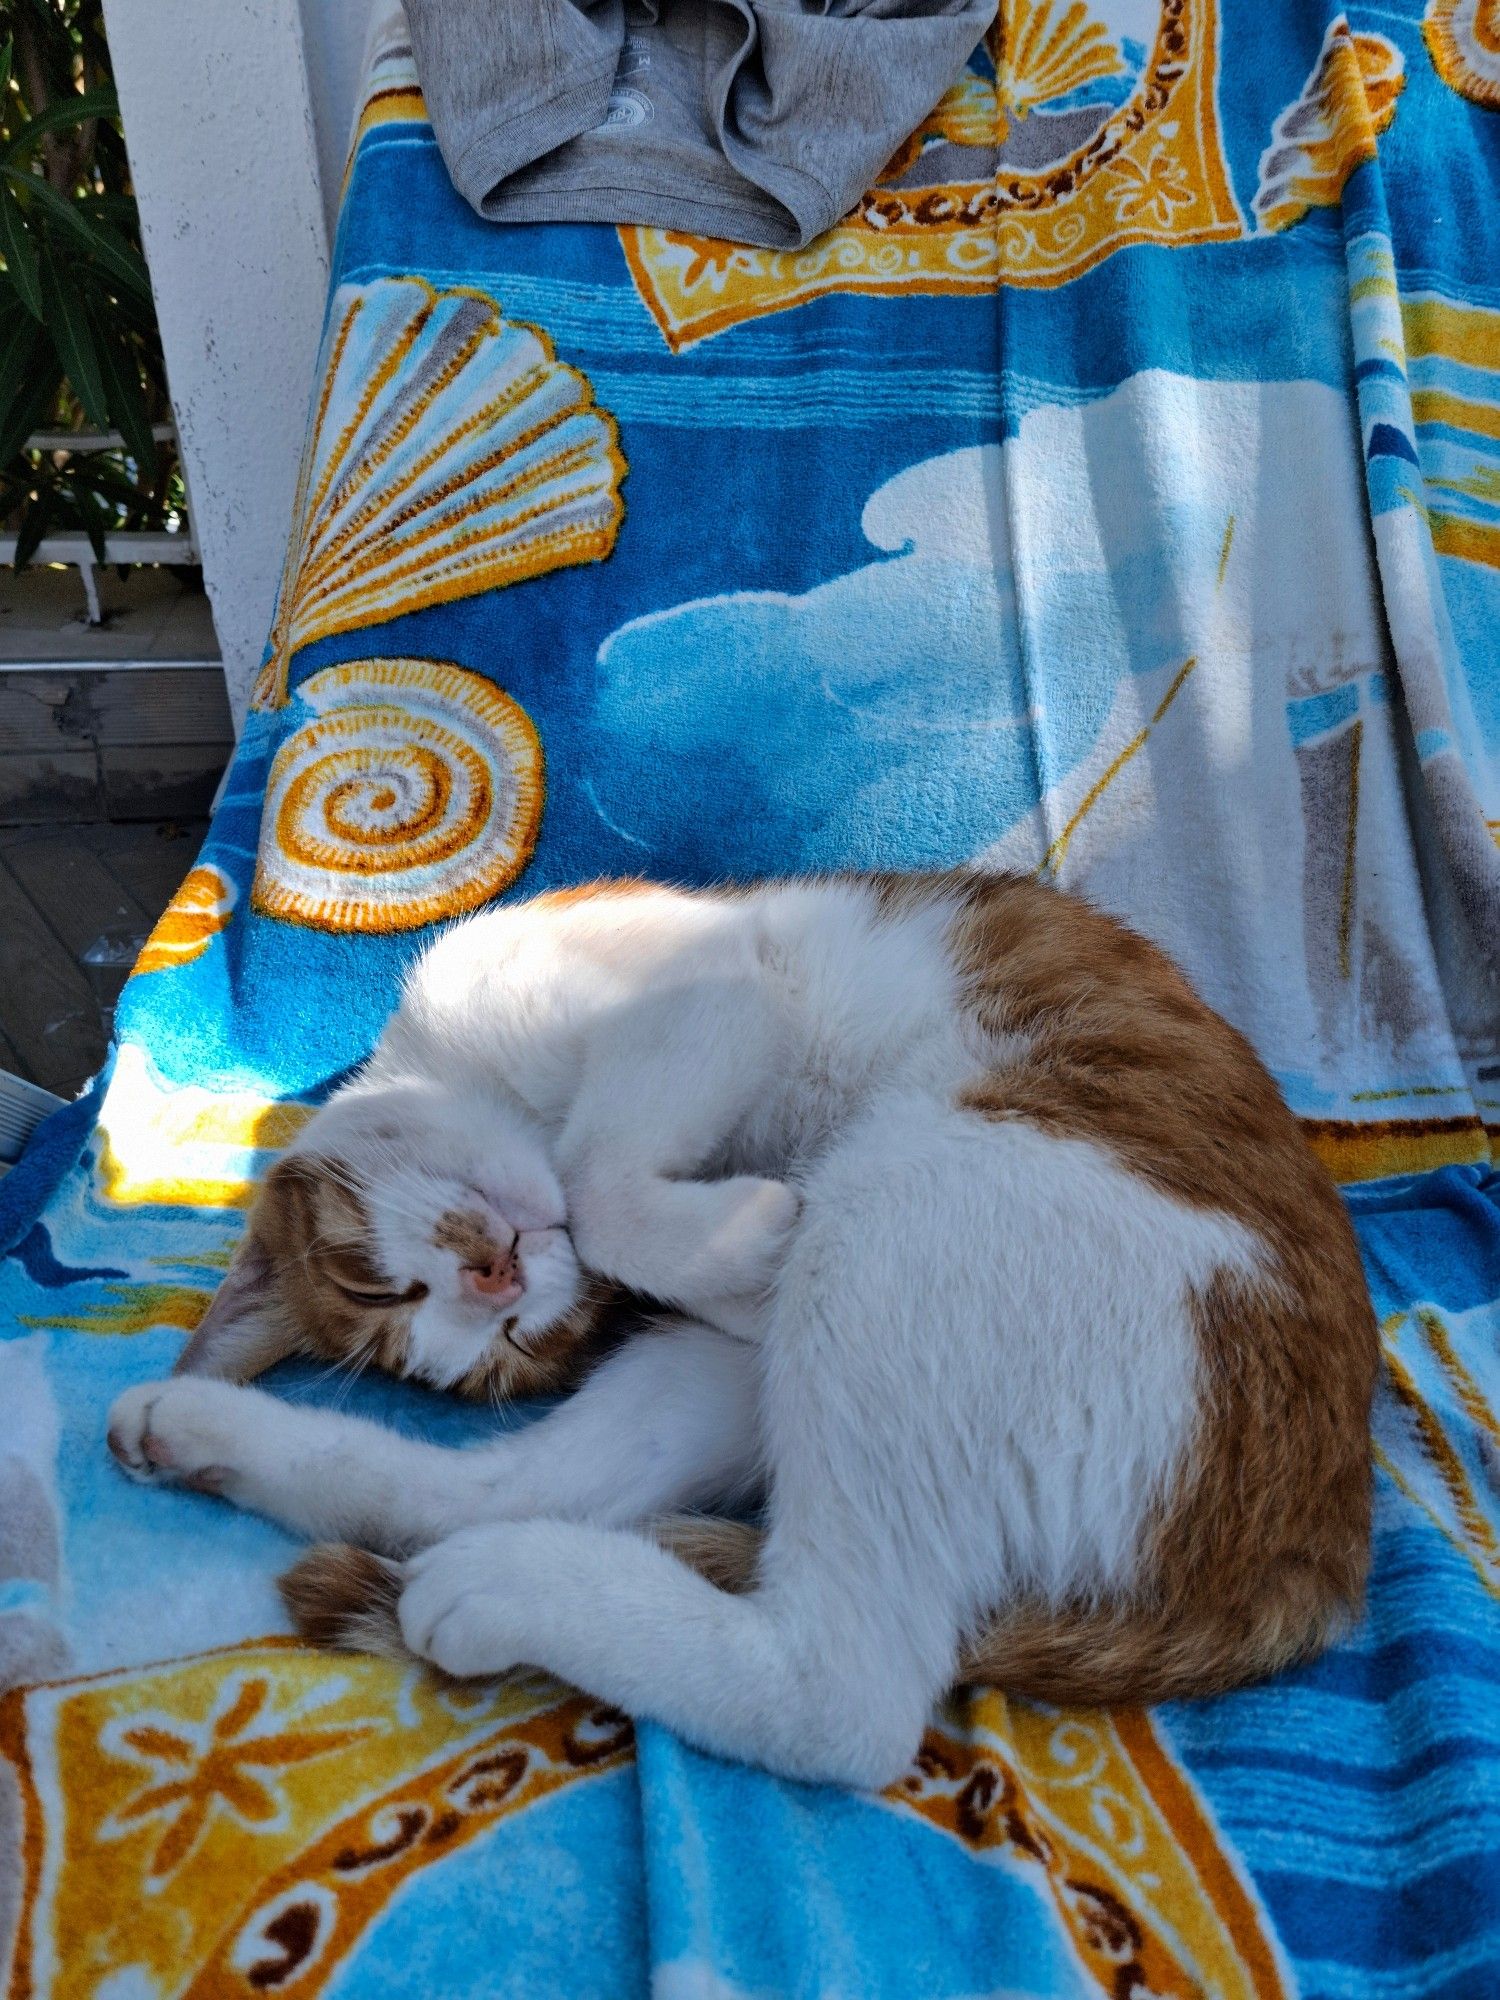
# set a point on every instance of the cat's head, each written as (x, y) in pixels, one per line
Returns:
(414, 1228)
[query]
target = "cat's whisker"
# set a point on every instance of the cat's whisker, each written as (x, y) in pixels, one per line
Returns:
(346, 1369)
(327, 1372)
(356, 1365)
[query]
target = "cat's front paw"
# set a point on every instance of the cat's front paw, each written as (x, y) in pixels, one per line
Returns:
(692, 1243)
(455, 1604)
(754, 1228)
(180, 1432)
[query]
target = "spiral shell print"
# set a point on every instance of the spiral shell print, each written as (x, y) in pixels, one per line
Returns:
(414, 792)
(200, 909)
(450, 453)
(1463, 39)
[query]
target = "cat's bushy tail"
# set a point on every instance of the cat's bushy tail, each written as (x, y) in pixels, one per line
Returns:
(1091, 1658)
(346, 1597)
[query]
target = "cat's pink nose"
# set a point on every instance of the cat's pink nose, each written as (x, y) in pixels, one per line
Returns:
(499, 1280)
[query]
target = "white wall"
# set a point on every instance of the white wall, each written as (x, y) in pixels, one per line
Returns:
(224, 153)
(237, 119)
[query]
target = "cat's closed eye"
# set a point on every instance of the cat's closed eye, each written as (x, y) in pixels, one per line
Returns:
(380, 1295)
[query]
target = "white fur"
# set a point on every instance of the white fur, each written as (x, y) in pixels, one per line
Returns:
(972, 1365)
(666, 1421)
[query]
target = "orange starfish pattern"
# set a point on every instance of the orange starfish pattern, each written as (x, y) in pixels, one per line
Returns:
(197, 1774)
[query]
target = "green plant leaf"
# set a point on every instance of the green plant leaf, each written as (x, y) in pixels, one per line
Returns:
(34, 403)
(123, 391)
(105, 245)
(20, 257)
(137, 315)
(121, 259)
(113, 207)
(104, 476)
(66, 318)
(20, 338)
(34, 524)
(5, 61)
(70, 109)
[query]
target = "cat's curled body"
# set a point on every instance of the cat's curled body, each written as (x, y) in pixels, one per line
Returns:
(1000, 1267)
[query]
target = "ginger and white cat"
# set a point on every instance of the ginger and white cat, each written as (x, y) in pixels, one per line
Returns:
(996, 1263)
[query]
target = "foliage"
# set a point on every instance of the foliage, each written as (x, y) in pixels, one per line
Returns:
(78, 340)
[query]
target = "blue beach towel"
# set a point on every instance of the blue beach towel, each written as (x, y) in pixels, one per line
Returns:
(1115, 495)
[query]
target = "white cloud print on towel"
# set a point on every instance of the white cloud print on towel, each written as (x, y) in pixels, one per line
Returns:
(984, 688)
(880, 716)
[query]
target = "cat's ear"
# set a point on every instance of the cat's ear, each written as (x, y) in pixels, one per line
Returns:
(242, 1334)
(246, 1329)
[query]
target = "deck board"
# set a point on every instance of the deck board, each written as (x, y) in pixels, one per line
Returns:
(79, 897)
(68, 894)
(149, 862)
(47, 1003)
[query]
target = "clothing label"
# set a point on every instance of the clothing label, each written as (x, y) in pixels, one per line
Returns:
(627, 107)
(635, 59)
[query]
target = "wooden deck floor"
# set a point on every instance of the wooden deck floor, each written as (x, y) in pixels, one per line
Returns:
(76, 902)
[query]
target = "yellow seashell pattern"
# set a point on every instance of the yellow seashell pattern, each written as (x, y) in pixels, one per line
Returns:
(1463, 39)
(1319, 140)
(1010, 180)
(413, 793)
(196, 914)
(450, 453)
(1043, 51)
(322, 1795)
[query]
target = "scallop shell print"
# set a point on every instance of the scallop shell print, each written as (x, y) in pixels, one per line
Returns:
(450, 453)
(1044, 51)
(413, 792)
(1463, 39)
(196, 914)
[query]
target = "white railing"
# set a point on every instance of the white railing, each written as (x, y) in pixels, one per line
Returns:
(131, 546)
(23, 1106)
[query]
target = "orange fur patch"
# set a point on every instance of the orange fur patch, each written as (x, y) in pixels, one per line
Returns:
(1259, 1556)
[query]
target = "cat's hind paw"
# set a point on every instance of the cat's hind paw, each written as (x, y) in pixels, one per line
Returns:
(454, 1610)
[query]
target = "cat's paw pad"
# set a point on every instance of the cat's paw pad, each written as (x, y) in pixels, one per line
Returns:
(452, 1612)
(178, 1432)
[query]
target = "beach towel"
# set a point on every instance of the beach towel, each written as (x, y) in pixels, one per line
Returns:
(1114, 495)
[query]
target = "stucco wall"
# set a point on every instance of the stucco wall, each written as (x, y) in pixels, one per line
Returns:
(223, 154)
(237, 118)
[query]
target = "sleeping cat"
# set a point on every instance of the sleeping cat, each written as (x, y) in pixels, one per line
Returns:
(992, 1257)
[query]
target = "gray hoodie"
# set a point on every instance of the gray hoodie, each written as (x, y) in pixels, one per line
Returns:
(759, 120)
